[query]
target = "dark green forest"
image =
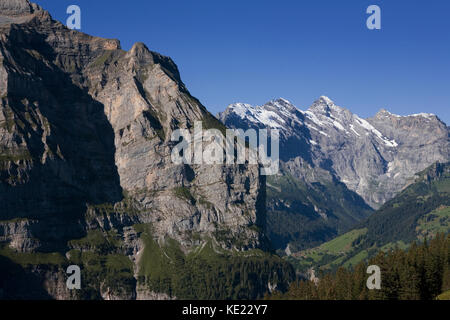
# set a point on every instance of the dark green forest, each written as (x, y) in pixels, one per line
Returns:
(420, 273)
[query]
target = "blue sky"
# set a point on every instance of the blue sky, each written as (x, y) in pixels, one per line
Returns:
(254, 51)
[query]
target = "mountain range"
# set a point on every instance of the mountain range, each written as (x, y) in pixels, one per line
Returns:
(336, 167)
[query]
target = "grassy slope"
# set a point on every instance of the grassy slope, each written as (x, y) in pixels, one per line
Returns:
(29, 259)
(331, 254)
(444, 296)
(421, 210)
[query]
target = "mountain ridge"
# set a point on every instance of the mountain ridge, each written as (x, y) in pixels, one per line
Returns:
(324, 127)
(323, 100)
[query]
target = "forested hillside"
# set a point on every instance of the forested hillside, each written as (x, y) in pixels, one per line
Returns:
(421, 272)
(420, 211)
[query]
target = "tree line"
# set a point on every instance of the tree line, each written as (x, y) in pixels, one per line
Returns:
(421, 272)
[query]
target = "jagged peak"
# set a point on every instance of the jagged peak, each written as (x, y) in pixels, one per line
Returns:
(239, 104)
(239, 108)
(140, 51)
(18, 7)
(280, 104)
(326, 106)
(139, 46)
(269, 114)
(325, 100)
(386, 113)
(383, 111)
(282, 101)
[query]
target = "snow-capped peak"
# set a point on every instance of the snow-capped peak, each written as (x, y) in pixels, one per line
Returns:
(325, 106)
(385, 112)
(241, 109)
(282, 100)
(323, 119)
(281, 106)
(258, 114)
(326, 100)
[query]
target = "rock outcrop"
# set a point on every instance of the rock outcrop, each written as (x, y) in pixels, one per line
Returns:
(85, 144)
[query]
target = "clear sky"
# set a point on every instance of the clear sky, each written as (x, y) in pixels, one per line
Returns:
(255, 50)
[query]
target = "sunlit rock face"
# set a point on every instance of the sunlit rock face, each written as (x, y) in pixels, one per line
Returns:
(85, 144)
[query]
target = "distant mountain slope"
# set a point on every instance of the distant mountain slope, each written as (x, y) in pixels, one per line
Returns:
(401, 218)
(421, 210)
(302, 214)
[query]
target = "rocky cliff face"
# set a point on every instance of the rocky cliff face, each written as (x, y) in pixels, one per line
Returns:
(85, 149)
